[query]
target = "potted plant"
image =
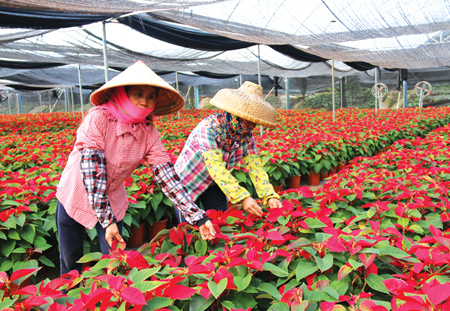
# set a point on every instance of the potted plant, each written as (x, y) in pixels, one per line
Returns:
(159, 210)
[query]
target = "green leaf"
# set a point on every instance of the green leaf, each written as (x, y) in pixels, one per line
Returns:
(340, 287)
(19, 250)
(403, 222)
(324, 263)
(12, 234)
(332, 292)
(375, 282)
(157, 303)
(10, 202)
(320, 296)
(279, 306)
(8, 247)
(393, 251)
(304, 269)
(2, 235)
(6, 265)
(19, 220)
(46, 261)
(300, 243)
(142, 275)
(271, 290)
(7, 303)
(201, 246)
(102, 264)
(28, 233)
(228, 304)
(351, 197)
(267, 266)
(198, 303)
(217, 289)
(242, 282)
(90, 257)
(314, 223)
(416, 228)
(147, 286)
(92, 233)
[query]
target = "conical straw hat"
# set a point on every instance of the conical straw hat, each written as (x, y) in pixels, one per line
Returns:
(246, 102)
(167, 102)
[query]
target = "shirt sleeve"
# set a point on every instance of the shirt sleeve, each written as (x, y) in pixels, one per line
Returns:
(222, 177)
(92, 132)
(93, 171)
(171, 186)
(259, 178)
(157, 154)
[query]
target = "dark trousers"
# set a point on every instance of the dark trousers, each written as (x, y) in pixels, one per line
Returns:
(212, 198)
(71, 237)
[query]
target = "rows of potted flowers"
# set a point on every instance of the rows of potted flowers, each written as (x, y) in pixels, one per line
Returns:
(373, 237)
(32, 159)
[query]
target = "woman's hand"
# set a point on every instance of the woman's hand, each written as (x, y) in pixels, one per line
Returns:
(111, 233)
(207, 231)
(275, 203)
(250, 206)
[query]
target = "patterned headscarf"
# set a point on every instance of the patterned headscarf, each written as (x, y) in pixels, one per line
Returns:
(229, 130)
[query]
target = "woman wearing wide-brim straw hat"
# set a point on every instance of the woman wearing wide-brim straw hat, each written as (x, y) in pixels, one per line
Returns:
(218, 143)
(116, 135)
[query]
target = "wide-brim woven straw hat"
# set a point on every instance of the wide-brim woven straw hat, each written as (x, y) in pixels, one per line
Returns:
(248, 103)
(167, 102)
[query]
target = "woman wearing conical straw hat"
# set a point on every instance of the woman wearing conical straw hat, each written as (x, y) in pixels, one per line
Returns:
(218, 143)
(113, 139)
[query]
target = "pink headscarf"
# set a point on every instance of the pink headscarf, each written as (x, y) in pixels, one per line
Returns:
(123, 109)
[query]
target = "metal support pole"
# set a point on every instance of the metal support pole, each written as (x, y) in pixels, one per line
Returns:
(376, 92)
(334, 95)
(286, 82)
(19, 103)
(240, 79)
(73, 105)
(9, 102)
(66, 100)
(405, 93)
(176, 81)
(259, 67)
(105, 54)
(259, 82)
(81, 92)
(40, 102)
(197, 101)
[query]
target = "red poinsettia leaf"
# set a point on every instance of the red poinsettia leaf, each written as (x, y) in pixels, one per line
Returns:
(136, 260)
(175, 238)
(344, 271)
(198, 269)
(367, 259)
(116, 282)
(22, 273)
(35, 301)
(237, 261)
(134, 296)
(274, 236)
(179, 292)
(334, 245)
(439, 293)
(28, 290)
(395, 286)
(56, 307)
(3, 277)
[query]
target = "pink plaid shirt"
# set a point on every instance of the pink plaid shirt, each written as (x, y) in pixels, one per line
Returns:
(124, 146)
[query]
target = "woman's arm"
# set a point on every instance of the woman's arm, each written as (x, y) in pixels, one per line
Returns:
(258, 175)
(171, 186)
(93, 171)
